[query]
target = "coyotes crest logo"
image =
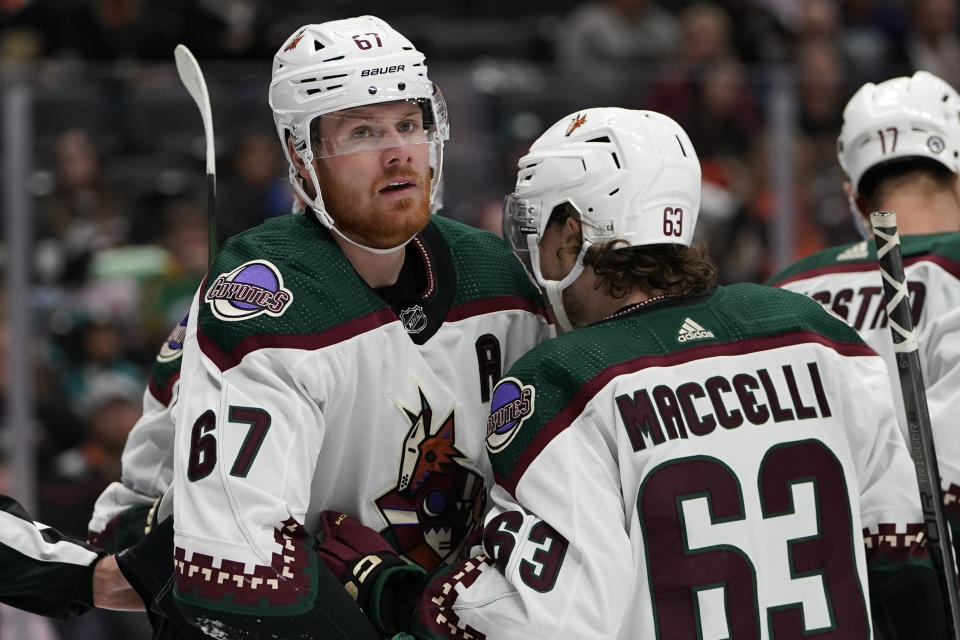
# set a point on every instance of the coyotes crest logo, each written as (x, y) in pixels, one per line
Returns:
(437, 501)
(577, 122)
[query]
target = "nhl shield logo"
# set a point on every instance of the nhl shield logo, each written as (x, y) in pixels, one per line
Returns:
(253, 288)
(414, 319)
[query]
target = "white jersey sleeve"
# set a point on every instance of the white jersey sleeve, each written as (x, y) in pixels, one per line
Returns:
(125, 509)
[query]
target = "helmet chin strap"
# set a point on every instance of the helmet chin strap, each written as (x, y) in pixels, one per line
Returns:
(554, 288)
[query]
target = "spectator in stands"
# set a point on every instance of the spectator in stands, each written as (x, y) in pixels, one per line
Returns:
(704, 31)
(254, 185)
(933, 44)
(165, 297)
(602, 38)
(83, 211)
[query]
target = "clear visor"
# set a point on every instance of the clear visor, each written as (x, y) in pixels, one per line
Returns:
(521, 224)
(385, 125)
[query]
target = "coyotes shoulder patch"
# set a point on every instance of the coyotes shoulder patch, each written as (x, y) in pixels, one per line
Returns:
(253, 288)
(512, 403)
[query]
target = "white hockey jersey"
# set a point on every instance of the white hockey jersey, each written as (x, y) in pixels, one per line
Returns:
(302, 390)
(126, 509)
(715, 466)
(847, 280)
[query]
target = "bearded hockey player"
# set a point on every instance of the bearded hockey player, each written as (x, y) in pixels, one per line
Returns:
(692, 460)
(344, 358)
(900, 149)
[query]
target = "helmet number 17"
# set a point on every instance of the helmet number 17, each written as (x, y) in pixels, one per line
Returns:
(365, 43)
(883, 139)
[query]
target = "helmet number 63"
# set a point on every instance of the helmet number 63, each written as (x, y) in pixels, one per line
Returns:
(364, 43)
(673, 221)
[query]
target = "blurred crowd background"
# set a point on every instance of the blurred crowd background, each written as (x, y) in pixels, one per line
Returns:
(115, 166)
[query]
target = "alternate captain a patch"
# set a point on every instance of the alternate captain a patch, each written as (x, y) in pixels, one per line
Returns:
(253, 288)
(511, 405)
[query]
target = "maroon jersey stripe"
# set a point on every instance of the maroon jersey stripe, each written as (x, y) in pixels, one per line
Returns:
(308, 342)
(492, 305)
(165, 393)
(946, 264)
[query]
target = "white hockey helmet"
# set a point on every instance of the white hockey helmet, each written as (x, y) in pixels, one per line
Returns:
(631, 175)
(325, 68)
(900, 118)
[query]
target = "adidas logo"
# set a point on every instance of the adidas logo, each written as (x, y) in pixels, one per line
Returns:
(692, 331)
(856, 252)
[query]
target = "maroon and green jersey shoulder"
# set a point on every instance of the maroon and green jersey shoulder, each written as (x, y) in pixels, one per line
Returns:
(287, 284)
(565, 373)
(939, 248)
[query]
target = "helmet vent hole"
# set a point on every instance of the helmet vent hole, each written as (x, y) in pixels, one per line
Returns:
(600, 139)
(332, 59)
(401, 86)
(614, 192)
(335, 76)
(310, 92)
(306, 80)
(946, 97)
(682, 150)
(616, 160)
(317, 45)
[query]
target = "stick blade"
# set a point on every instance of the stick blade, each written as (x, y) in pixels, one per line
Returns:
(191, 76)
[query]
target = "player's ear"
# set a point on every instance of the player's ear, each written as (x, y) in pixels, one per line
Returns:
(858, 201)
(572, 232)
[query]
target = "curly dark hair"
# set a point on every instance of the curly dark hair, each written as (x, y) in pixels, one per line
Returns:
(670, 268)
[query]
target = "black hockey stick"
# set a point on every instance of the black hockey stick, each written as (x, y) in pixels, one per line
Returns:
(922, 450)
(192, 78)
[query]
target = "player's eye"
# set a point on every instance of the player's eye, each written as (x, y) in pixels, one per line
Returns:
(359, 133)
(408, 126)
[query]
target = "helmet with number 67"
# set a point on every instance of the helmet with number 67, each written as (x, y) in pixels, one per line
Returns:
(326, 68)
(898, 119)
(631, 175)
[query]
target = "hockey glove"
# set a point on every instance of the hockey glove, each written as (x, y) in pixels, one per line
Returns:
(384, 585)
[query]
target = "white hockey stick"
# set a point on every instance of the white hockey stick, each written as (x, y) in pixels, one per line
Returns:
(192, 78)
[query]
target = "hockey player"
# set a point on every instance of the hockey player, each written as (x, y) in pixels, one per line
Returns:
(692, 460)
(900, 149)
(343, 358)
